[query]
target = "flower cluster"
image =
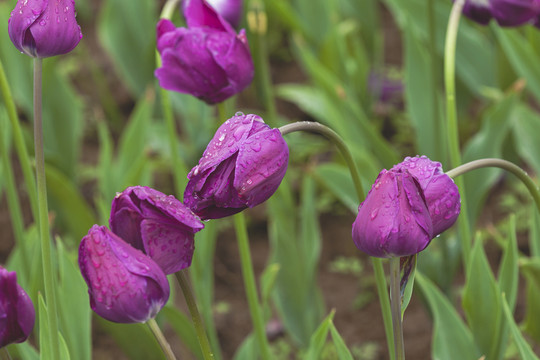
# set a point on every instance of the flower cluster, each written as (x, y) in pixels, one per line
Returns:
(505, 12)
(208, 59)
(406, 207)
(17, 314)
(151, 235)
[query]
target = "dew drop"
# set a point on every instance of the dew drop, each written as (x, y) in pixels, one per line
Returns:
(374, 214)
(238, 113)
(222, 137)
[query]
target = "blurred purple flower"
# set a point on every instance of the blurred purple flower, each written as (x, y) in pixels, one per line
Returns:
(17, 314)
(125, 285)
(505, 12)
(44, 28)
(406, 207)
(230, 10)
(242, 167)
(207, 59)
(385, 89)
(159, 225)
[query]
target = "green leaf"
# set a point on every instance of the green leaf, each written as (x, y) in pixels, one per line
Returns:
(531, 271)
(487, 142)
(481, 303)
(183, 327)
(409, 285)
(75, 314)
(318, 339)
(524, 348)
(44, 331)
(451, 338)
(127, 33)
(508, 270)
(341, 348)
(268, 281)
(337, 179)
(73, 211)
(534, 233)
(248, 349)
(526, 131)
(521, 55)
(136, 340)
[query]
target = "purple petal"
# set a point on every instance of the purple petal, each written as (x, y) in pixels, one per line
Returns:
(261, 165)
(169, 246)
(230, 10)
(514, 12)
(199, 14)
(478, 10)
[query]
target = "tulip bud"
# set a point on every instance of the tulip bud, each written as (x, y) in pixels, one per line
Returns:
(44, 28)
(406, 208)
(159, 225)
(242, 167)
(17, 314)
(208, 59)
(230, 10)
(125, 285)
(440, 191)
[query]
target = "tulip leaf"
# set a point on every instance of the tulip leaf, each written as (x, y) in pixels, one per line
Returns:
(486, 143)
(420, 96)
(74, 318)
(531, 270)
(524, 348)
(23, 351)
(318, 339)
(521, 55)
(481, 303)
(341, 348)
(534, 232)
(526, 131)
(337, 179)
(248, 349)
(73, 211)
(407, 270)
(183, 328)
(508, 270)
(451, 338)
(136, 340)
(127, 33)
(45, 350)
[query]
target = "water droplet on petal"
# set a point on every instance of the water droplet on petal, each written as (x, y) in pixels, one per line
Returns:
(239, 113)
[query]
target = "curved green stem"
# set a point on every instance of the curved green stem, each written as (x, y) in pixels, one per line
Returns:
(505, 165)
(195, 315)
(165, 346)
(250, 285)
(18, 141)
(168, 9)
(313, 126)
(43, 209)
(375, 262)
(452, 123)
(395, 300)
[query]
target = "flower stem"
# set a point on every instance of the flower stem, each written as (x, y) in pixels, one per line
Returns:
(195, 315)
(18, 140)
(165, 346)
(168, 9)
(313, 126)
(452, 123)
(503, 164)
(434, 69)
(43, 210)
(251, 287)
(395, 300)
(375, 262)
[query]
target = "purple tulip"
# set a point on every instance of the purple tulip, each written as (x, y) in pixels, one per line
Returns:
(505, 12)
(44, 28)
(439, 190)
(125, 285)
(242, 167)
(17, 315)
(207, 59)
(159, 225)
(406, 207)
(230, 10)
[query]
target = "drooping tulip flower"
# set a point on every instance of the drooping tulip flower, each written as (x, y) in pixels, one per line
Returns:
(207, 59)
(17, 314)
(44, 28)
(241, 167)
(230, 10)
(505, 12)
(405, 209)
(159, 225)
(439, 190)
(125, 285)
